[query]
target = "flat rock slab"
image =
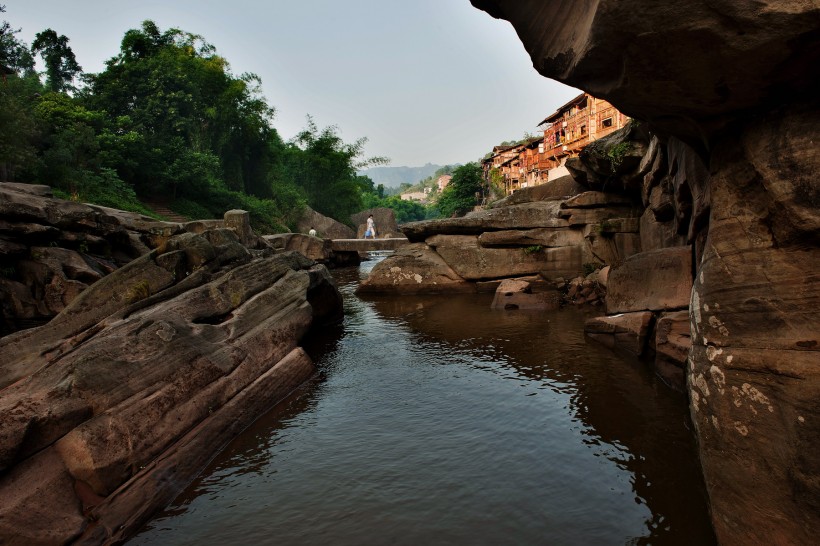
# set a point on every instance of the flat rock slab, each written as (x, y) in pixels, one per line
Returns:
(473, 262)
(596, 199)
(562, 187)
(539, 214)
(545, 237)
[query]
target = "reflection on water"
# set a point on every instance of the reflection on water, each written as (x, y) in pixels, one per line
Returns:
(436, 420)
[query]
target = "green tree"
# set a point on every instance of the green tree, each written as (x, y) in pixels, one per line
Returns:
(463, 192)
(18, 127)
(14, 54)
(19, 89)
(61, 65)
(324, 168)
(173, 90)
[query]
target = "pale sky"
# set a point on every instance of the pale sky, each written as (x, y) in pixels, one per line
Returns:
(433, 81)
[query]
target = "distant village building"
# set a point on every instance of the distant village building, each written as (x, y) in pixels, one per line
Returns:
(414, 196)
(566, 132)
(443, 180)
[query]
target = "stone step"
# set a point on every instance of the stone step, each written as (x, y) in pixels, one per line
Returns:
(163, 210)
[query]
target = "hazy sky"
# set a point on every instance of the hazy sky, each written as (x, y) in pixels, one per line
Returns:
(424, 80)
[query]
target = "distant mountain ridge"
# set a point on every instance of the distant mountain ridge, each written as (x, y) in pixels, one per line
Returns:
(392, 177)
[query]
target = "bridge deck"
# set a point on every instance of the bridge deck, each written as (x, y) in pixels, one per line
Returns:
(365, 245)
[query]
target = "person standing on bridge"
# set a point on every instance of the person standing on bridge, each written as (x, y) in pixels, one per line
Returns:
(370, 232)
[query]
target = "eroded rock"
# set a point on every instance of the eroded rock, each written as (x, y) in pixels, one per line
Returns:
(414, 268)
(659, 280)
(627, 331)
(126, 394)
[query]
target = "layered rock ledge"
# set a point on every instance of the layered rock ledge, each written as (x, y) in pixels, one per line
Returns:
(114, 406)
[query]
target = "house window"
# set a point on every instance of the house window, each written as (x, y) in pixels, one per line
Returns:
(583, 130)
(607, 122)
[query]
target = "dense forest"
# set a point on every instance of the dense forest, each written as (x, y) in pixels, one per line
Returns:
(167, 123)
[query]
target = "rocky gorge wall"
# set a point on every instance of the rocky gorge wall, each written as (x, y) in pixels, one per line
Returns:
(730, 90)
(121, 399)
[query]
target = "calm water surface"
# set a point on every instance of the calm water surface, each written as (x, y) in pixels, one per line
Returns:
(436, 420)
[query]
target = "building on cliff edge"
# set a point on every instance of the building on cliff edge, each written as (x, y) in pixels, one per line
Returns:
(566, 132)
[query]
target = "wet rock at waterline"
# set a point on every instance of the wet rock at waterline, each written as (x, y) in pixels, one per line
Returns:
(672, 343)
(627, 331)
(514, 294)
(110, 409)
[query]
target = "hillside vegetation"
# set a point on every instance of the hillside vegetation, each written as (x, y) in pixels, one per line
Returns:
(166, 121)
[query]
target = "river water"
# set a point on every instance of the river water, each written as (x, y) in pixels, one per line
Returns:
(436, 420)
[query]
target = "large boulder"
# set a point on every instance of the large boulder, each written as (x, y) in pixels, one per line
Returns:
(618, 157)
(315, 248)
(325, 227)
(659, 280)
(413, 269)
(110, 409)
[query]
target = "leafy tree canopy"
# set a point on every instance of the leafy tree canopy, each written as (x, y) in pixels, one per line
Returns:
(324, 167)
(61, 65)
(463, 192)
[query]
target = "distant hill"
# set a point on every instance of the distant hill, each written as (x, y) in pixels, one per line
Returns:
(392, 177)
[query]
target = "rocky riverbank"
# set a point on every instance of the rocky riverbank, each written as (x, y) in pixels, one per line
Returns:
(128, 392)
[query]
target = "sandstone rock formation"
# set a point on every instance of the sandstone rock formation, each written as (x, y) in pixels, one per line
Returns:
(729, 90)
(413, 269)
(315, 248)
(326, 227)
(554, 238)
(116, 404)
(52, 249)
